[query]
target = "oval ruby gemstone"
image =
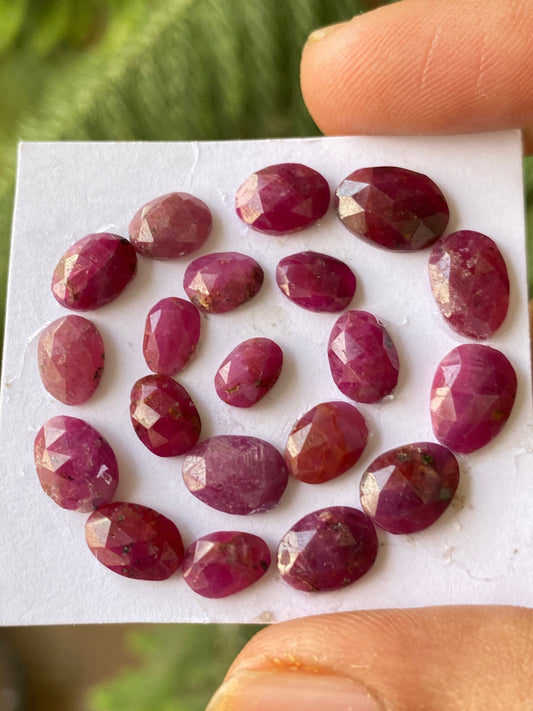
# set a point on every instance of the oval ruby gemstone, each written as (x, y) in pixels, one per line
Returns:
(327, 549)
(472, 396)
(224, 563)
(362, 357)
(407, 488)
(470, 283)
(171, 335)
(71, 359)
(94, 271)
(163, 415)
(134, 541)
(282, 198)
(392, 207)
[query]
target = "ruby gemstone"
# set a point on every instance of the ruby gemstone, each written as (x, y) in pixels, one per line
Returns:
(328, 549)
(407, 488)
(236, 474)
(224, 563)
(94, 271)
(393, 208)
(71, 359)
(472, 396)
(283, 198)
(362, 357)
(171, 335)
(134, 541)
(163, 416)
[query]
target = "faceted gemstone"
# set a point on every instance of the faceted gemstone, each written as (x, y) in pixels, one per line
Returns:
(236, 474)
(76, 466)
(316, 282)
(392, 207)
(472, 397)
(362, 357)
(163, 416)
(470, 283)
(134, 541)
(94, 271)
(171, 335)
(222, 281)
(326, 442)
(327, 549)
(170, 226)
(71, 359)
(407, 488)
(224, 563)
(282, 198)
(249, 372)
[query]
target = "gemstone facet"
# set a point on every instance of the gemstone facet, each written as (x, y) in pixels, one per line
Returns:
(171, 335)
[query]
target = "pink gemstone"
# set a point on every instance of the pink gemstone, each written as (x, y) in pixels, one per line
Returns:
(362, 357)
(171, 335)
(327, 549)
(76, 466)
(326, 442)
(71, 359)
(249, 372)
(470, 283)
(472, 397)
(282, 198)
(222, 281)
(170, 226)
(163, 416)
(316, 282)
(392, 207)
(407, 488)
(236, 474)
(94, 271)
(224, 563)
(134, 541)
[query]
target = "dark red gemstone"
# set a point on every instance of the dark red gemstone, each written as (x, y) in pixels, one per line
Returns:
(171, 335)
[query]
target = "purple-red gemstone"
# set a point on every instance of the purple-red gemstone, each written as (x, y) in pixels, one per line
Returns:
(472, 396)
(163, 416)
(407, 488)
(362, 357)
(236, 474)
(470, 283)
(222, 281)
(94, 271)
(134, 541)
(170, 226)
(327, 549)
(171, 335)
(282, 198)
(392, 207)
(71, 359)
(316, 282)
(224, 563)
(249, 372)
(326, 442)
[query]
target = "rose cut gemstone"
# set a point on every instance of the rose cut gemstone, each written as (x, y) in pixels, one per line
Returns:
(392, 207)
(472, 396)
(171, 335)
(283, 198)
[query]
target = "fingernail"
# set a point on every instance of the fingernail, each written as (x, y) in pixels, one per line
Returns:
(252, 690)
(322, 32)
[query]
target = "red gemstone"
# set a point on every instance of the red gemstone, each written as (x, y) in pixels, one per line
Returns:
(134, 541)
(171, 335)
(249, 372)
(326, 442)
(470, 283)
(327, 549)
(71, 359)
(392, 207)
(224, 563)
(362, 357)
(472, 397)
(407, 488)
(282, 198)
(94, 271)
(163, 415)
